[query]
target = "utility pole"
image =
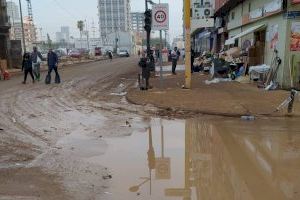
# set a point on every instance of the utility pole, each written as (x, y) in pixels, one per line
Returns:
(160, 56)
(22, 25)
(187, 20)
(148, 19)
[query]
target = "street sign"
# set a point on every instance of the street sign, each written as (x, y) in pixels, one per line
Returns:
(160, 17)
(162, 168)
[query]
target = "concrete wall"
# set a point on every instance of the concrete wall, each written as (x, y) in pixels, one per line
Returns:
(284, 29)
(286, 76)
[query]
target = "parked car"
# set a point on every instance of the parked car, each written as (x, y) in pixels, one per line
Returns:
(123, 53)
(75, 53)
(98, 51)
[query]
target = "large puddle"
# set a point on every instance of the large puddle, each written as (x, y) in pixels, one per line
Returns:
(203, 159)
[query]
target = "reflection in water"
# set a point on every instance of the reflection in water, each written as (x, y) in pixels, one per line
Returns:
(209, 160)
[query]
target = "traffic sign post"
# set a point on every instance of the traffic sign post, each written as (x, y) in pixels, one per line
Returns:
(160, 19)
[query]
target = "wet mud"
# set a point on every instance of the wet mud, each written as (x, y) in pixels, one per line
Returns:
(82, 140)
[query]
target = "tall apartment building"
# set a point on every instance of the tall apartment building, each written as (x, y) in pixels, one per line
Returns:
(63, 35)
(30, 32)
(13, 12)
(137, 22)
(114, 16)
(4, 31)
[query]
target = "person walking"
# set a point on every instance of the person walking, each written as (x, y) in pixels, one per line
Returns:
(27, 67)
(52, 60)
(174, 57)
(192, 60)
(145, 72)
(110, 55)
(36, 58)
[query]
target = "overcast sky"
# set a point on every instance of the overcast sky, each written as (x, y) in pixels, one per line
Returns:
(52, 14)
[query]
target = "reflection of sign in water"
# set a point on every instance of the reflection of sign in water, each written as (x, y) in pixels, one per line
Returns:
(177, 192)
(162, 168)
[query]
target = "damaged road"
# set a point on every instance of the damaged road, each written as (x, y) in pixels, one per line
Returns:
(82, 140)
(47, 131)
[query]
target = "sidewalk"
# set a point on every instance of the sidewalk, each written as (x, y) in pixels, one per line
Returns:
(224, 99)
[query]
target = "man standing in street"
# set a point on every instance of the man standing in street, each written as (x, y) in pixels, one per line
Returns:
(174, 56)
(52, 60)
(36, 58)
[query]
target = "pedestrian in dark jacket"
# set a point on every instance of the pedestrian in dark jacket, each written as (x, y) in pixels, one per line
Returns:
(52, 60)
(145, 70)
(27, 67)
(174, 55)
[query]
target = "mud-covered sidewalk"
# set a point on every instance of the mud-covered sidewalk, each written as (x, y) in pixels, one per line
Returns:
(227, 98)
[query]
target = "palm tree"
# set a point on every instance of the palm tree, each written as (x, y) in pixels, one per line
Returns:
(80, 26)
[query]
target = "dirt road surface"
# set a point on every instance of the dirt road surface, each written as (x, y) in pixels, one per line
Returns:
(81, 140)
(37, 159)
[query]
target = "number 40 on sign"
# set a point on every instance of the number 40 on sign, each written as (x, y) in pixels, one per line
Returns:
(160, 17)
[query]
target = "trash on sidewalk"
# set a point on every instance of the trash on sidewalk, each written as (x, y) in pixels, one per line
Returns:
(107, 177)
(118, 94)
(284, 104)
(259, 72)
(3, 70)
(217, 80)
(272, 86)
(248, 118)
(13, 120)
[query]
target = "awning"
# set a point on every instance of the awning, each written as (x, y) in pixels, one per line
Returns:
(250, 30)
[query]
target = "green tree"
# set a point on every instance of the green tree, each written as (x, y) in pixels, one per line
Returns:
(49, 41)
(80, 26)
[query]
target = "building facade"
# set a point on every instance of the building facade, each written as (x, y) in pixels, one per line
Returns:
(137, 22)
(13, 12)
(266, 26)
(30, 33)
(15, 21)
(4, 32)
(114, 17)
(63, 35)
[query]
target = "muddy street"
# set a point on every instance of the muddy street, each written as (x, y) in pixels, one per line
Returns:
(82, 140)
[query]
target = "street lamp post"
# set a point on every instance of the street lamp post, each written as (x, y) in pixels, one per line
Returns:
(148, 31)
(22, 25)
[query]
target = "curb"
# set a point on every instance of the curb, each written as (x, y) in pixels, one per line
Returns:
(183, 111)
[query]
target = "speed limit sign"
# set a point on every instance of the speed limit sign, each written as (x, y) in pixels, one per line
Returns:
(160, 17)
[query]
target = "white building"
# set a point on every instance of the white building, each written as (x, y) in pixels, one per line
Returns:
(178, 42)
(63, 35)
(114, 17)
(13, 12)
(137, 22)
(85, 44)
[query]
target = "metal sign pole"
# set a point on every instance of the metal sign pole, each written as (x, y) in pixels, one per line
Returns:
(160, 57)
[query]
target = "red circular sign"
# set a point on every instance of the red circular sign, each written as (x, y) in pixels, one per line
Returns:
(160, 16)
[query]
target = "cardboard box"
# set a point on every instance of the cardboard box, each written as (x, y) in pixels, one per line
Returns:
(3, 65)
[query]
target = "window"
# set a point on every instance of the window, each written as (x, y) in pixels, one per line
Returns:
(232, 15)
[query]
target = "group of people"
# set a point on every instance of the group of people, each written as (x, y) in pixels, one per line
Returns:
(32, 64)
(145, 64)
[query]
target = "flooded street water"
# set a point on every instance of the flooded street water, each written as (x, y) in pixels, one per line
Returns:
(205, 159)
(79, 141)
